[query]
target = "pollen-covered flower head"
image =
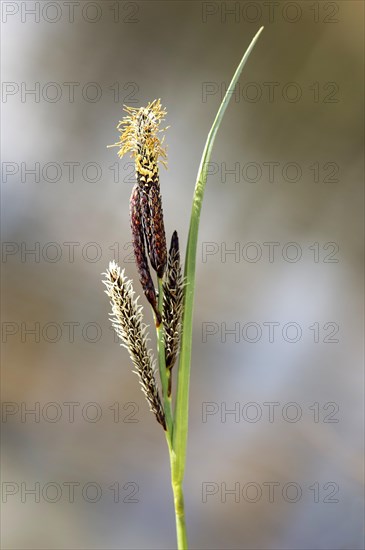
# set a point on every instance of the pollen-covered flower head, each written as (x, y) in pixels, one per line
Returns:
(140, 134)
(140, 131)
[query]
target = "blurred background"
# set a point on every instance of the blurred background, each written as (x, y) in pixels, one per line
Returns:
(275, 450)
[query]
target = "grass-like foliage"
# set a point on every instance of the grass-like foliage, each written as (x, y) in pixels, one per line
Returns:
(172, 301)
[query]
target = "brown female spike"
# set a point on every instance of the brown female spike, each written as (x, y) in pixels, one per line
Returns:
(139, 250)
(172, 305)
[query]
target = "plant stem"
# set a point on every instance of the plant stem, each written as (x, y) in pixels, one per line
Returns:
(182, 541)
(162, 369)
(181, 534)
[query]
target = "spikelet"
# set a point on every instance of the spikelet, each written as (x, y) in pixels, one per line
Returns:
(127, 320)
(173, 287)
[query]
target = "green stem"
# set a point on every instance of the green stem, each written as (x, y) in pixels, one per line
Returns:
(182, 396)
(162, 369)
(182, 541)
(177, 488)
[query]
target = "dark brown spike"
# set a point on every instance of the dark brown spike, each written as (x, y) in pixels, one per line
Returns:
(151, 210)
(173, 304)
(139, 250)
(146, 222)
(158, 230)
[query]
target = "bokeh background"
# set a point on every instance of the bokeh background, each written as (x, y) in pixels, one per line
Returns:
(110, 53)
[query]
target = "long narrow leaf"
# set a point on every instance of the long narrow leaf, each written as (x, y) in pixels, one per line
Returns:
(182, 397)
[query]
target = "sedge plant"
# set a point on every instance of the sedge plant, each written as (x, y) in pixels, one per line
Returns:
(171, 296)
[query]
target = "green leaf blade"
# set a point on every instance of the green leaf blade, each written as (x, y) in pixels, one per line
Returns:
(180, 430)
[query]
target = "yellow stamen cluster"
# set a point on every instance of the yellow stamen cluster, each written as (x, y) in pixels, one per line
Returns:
(139, 134)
